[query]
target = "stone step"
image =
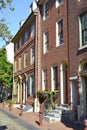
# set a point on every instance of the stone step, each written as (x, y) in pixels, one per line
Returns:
(52, 119)
(62, 108)
(28, 108)
(56, 111)
(58, 114)
(53, 114)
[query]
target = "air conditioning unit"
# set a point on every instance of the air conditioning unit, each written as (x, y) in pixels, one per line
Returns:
(33, 6)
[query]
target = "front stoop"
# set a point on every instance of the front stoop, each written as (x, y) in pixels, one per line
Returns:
(60, 113)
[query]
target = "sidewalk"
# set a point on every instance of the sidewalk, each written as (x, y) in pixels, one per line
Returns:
(33, 119)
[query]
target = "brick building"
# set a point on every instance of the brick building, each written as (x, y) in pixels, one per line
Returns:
(77, 39)
(54, 49)
(64, 51)
(59, 47)
(26, 60)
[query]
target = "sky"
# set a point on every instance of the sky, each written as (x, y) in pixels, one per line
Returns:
(13, 18)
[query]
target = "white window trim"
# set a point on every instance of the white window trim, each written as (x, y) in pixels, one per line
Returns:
(80, 33)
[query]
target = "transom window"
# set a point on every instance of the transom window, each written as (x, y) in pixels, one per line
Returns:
(85, 66)
(83, 30)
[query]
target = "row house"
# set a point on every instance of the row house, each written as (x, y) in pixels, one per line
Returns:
(26, 59)
(54, 48)
(51, 53)
(77, 39)
(64, 51)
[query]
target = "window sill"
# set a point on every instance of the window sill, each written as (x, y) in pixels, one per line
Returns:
(45, 53)
(83, 47)
(59, 45)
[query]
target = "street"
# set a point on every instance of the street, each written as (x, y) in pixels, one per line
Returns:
(8, 124)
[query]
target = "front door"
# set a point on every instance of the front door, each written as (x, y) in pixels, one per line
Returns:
(85, 79)
(74, 95)
(24, 92)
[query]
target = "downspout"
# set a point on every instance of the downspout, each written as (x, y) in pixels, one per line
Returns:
(68, 51)
(36, 55)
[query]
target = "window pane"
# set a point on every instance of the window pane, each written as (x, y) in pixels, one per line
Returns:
(33, 55)
(84, 29)
(46, 42)
(25, 60)
(60, 31)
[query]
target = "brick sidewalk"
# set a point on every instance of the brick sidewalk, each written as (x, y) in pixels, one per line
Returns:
(33, 118)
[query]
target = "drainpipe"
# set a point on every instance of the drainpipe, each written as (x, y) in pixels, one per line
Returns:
(36, 54)
(68, 47)
(36, 63)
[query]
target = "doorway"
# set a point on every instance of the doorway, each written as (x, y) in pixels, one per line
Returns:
(74, 94)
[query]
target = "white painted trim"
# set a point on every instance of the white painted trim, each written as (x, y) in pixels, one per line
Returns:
(52, 87)
(73, 78)
(61, 83)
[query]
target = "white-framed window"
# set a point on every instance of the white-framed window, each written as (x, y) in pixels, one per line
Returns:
(20, 42)
(33, 29)
(26, 36)
(19, 64)
(59, 33)
(59, 2)
(44, 79)
(45, 42)
(25, 59)
(54, 78)
(45, 10)
(32, 55)
(83, 30)
(31, 90)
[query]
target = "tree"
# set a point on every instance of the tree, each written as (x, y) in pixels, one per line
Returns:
(6, 3)
(4, 30)
(6, 70)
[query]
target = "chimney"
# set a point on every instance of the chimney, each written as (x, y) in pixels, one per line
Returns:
(33, 6)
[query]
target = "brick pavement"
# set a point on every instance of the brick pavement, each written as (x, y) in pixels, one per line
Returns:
(33, 118)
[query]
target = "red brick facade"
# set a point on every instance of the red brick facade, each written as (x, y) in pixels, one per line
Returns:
(60, 51)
